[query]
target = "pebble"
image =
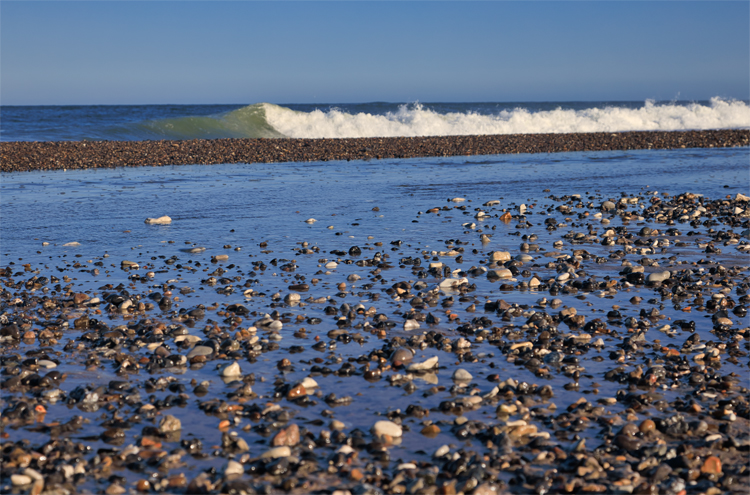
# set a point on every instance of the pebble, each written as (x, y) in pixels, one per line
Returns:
(462, 375)
(712, 465)
(231, 370)
(500, 256)
(411, 325)
(286, 436)
(162, 220)
(169, 424)
(389, 428)
(20, 479)
(427, 364)
(233, 468)
(200, 350)
(276, 452)
(658, 277)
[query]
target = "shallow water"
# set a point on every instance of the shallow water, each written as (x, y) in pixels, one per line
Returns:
(270, 201)
(244, 205)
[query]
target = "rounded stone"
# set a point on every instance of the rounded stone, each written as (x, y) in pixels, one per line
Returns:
(383, 427)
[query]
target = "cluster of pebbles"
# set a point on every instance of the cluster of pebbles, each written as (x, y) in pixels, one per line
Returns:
(605, 352)
(27, 156)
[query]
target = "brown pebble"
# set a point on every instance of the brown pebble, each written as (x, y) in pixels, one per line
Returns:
(712, 465)
(430, 431)
(143, 485)
(286, 436)
(647, 426)
(297, 391)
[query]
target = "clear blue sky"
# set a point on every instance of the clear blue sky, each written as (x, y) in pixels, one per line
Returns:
(341, 52)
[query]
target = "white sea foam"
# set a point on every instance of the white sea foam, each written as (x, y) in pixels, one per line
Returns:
(417, 120)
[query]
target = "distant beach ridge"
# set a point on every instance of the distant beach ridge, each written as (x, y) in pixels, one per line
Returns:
(20, 156)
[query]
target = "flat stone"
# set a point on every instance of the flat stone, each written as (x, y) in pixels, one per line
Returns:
(309, 383)
(501, 273)
(20, 479)
(658, 277)
(500, 256)
(427, 364)
(453, 283)
(162, 220)
(200, 350)
(276, 452)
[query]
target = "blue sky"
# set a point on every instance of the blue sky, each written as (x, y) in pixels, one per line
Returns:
(341, 52)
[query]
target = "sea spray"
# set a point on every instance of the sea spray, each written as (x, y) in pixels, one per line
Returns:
(423, 120)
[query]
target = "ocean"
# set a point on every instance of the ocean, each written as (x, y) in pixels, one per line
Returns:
(266, 120)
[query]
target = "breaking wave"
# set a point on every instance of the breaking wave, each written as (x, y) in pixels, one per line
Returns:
(268, 120)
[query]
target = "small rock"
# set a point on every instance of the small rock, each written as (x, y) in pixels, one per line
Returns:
(233, 468)
(20, 479)
(658, 277)
(500, 256)
(163, 220)
(382, 428)
(231, 370)
(462, 375)
(286, 436)
(298, 391)
(169, 424)
(712, 465)
(276, 452)
(428, 364)
(411, 325)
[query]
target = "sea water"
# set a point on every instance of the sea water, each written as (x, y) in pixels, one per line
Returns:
(104, 209)
(153, 122)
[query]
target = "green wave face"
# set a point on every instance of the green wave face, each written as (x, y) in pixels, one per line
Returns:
(245, 122)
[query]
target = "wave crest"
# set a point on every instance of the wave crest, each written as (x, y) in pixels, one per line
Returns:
(418, 120)
(266, 120)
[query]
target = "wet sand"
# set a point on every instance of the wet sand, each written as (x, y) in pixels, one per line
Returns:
(29, 156)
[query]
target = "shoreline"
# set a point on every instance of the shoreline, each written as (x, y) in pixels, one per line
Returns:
(25, 156)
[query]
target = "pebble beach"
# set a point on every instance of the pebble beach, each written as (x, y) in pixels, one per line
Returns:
(543, 323)
(23, 156)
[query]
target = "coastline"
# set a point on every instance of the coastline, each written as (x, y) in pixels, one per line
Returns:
(25, 156)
